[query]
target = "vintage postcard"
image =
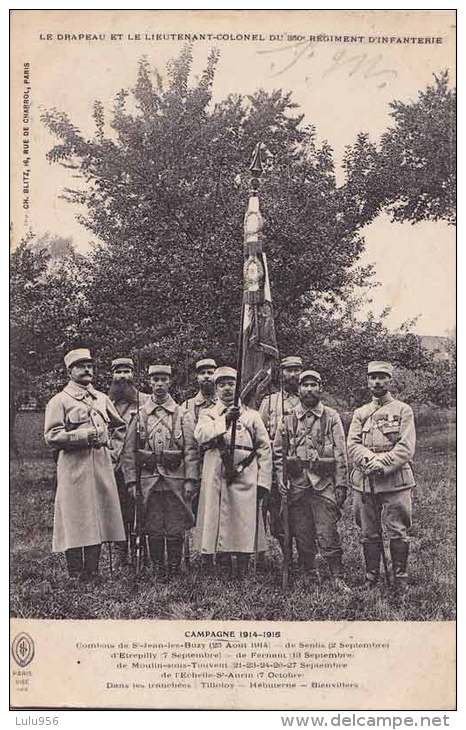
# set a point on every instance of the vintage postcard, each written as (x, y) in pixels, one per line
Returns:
(233, 359)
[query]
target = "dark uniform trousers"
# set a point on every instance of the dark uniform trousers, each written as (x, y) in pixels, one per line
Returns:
(313, 520)
(165, 516)
(126, 501)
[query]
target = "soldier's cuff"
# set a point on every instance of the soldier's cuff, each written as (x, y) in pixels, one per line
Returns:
(80, 437)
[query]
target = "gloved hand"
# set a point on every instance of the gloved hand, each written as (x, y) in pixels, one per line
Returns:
(283, 488)
(341, 493)
(266, 502)
(373, 467)
(132, 489)
(189, 489)
(261, 493)
(232, 414)
(93, 439)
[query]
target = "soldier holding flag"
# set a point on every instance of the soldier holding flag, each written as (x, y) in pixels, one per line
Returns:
(231, 489)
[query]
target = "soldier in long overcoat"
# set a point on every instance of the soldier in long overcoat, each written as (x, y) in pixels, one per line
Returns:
(228, 511)
(87, 508)
(166, 486)
(381, 444)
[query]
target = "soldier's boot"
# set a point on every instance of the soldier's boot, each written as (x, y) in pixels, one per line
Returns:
(91, 563)
(174, 555)
(74, 562)
(120, 552)
(399, 550)
(372, 555)
(157, 554)
(207, 564)
(337, 573)
(293, 566)
(242, 565)
(224, 566)
(261, 564)
(311, 575)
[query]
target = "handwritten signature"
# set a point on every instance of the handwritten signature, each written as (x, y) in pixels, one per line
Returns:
(367, 65)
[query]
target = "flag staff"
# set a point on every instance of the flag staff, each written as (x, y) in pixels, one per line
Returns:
(252, 228)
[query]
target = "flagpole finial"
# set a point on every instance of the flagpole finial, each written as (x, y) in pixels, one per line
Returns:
(261, 161)
(256, 167)
(257, 162)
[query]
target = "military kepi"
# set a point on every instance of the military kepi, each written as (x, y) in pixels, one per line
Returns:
(80, 355)
(160, 369)
(122, 362)
(378, 366)
(292, 361)
(224, 372)
(207, 362)
(310, 374)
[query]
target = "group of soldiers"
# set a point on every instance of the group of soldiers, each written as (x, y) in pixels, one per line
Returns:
(226, 472)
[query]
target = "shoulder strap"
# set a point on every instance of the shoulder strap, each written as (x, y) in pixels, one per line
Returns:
(293, 419)
(175, 424)
(323, 431)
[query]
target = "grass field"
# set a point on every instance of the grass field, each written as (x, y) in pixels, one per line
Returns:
(40, 587)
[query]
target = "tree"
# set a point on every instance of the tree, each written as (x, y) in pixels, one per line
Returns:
(412, 173)
(164, 185)
(339, 343)
(48, 315)
(56, 246)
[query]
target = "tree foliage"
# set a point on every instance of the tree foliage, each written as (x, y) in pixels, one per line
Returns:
(164, 183)
(412, 172)
(163, 186)
(48, 312)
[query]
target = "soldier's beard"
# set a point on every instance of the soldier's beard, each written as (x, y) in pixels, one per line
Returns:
(310, 400)
(123, 390)
(207, 389)
(291, 386)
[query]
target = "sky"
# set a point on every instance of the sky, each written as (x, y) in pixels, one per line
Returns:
(342, 88)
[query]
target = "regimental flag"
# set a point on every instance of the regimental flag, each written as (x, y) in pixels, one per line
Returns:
(259, 343)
